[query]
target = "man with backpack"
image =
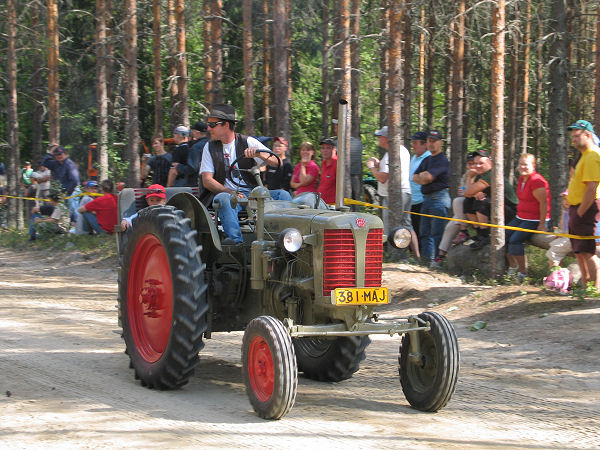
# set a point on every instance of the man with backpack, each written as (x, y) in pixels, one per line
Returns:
(219, 178)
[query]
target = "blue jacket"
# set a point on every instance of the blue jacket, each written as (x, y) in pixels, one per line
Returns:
(65, 172)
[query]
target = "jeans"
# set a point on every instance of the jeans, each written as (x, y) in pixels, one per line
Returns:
(229, 215)
(90, 223)
(515, 239)
(436, 204)
(32, 224)
(73, 203)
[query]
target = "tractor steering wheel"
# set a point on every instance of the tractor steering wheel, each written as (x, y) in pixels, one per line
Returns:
(234, 163)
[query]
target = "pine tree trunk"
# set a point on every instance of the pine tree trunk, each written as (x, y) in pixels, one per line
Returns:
(110, 66)
(525, 78)
(267, 70)
(497, 83)
(557, 115)
(345, 88)
(355, 57)
(458, 99)
(207, 53)
(539, 84)
(448, 76)
(406, 71)
(325, 88)
(430, 71)
(37, 113)
(131, 93)
(15, 210)
(513, 105)
(248, 67)
(182, 77)
(597, 65)
(421, 89)
(174, 119)
(394, 112)
(217, 54)
(159, 115)
(101, 93)
(288, 46)
(53, 88)
(280, 75)
(384, 63)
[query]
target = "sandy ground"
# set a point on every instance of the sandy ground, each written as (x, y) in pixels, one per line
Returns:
(530, 379)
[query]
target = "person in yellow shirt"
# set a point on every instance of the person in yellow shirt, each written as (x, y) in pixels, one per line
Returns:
(583, 199)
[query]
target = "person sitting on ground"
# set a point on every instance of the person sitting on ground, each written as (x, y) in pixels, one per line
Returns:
(89, 187)
(156, 196)
(56, 223)
(455, 229)
(66, 172)
(479, 189)
(279, 178)
(100, 215)
(225, 147)
(306, 173)
(533, 213)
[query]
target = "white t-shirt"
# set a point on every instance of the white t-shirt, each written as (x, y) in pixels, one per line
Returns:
(229, 154)
(384, 167)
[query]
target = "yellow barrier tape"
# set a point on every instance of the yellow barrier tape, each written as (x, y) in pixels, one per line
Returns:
(91, 194)
(349, 201)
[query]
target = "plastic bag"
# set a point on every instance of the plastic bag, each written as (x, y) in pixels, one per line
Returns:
(558, 280)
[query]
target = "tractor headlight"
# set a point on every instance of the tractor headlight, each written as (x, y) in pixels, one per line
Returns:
(399, 238)
(290, 240)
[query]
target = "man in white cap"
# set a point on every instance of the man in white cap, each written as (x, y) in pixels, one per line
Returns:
(218, 178)
(181, 136)
(381, 172)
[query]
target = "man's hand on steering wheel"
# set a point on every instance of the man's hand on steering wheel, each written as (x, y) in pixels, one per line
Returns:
(252, 152)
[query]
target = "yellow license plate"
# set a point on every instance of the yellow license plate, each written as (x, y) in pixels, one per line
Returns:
(361, 296)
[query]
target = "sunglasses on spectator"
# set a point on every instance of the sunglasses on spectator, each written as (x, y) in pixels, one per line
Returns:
(155, 191)
(214, 124)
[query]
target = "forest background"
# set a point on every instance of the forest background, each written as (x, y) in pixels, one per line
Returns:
(508, 76)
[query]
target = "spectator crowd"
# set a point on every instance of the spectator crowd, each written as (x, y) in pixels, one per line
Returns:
(213, 156)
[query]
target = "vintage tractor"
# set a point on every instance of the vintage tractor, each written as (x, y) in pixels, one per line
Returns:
(304, 286)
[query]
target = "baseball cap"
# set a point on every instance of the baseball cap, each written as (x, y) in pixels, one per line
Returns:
(434, 134)
(91, 183)
(184, 131)
(223, 111)
(59, 149)
(581, 125)
(156, 190)
(280, 139)
(200, 126)
(328, 141)
(482, 152)
(382, 132)
(334, 121)
(419, 136)
(27, 163)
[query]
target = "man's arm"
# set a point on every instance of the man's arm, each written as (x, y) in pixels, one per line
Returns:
(589, 195)
(209, 182)
(423, 178)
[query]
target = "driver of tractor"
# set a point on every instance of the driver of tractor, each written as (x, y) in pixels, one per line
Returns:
(219, 181)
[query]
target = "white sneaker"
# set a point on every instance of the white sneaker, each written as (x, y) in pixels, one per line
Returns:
(512, 271)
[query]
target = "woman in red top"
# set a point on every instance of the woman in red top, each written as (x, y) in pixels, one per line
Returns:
(533, 212)
(306, 173)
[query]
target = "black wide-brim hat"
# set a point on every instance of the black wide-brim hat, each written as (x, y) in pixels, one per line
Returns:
(223, 111)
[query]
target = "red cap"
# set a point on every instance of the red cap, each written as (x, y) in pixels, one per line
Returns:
(280, 139)
(156, 190)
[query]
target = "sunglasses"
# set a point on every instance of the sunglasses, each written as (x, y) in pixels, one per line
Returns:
(155, 191)
(214, 124)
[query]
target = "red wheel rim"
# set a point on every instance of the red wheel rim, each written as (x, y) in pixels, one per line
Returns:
(150, 298)
(260, 369)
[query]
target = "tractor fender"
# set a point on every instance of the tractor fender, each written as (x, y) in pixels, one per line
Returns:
(202, 222)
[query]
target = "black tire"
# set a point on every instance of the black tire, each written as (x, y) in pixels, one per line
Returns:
(370, 194)
(162, 298)
(429, 385)
(269, 367)
(330, 359)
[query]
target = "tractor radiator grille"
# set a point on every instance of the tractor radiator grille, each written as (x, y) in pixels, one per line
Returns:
(339, 259)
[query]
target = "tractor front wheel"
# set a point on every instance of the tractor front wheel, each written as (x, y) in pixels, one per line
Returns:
(269, 367)
(429, 378)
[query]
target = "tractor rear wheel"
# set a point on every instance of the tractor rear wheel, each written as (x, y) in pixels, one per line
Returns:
(330, 359)
(269, 367)
(162, 298)
(429, 381)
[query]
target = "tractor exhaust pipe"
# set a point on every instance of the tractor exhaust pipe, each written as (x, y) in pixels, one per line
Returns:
(341, 154)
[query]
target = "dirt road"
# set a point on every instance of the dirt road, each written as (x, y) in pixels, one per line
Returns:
(531, 378)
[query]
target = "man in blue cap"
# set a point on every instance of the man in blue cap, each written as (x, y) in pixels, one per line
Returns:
(583, 199)
(418, 143)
